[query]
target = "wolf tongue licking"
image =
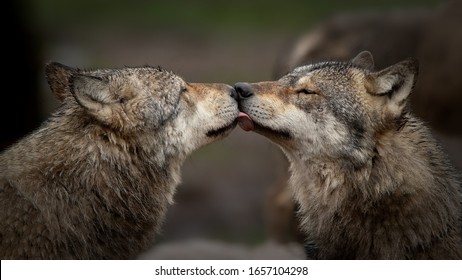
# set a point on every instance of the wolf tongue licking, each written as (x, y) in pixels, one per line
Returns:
(245, 122)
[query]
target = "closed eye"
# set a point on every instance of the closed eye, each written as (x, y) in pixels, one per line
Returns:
(306, 91)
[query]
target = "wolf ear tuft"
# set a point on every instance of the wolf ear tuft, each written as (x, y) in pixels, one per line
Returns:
(59, 77)
(395, 83)
(364, 60)
(93, 94)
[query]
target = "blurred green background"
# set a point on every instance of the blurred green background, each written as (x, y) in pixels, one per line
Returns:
(206, 16)
(226, 41)
(93, 28)
(225, 185)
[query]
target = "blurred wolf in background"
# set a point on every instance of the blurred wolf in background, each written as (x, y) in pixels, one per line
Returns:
(425, 34)
(370, 180)
(95, 180)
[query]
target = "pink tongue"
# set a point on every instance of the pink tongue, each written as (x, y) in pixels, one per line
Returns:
(245, 122)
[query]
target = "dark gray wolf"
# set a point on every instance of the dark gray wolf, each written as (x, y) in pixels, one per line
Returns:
(370, 180)
(94, 181)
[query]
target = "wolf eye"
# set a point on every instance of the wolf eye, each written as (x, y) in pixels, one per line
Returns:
(306, 91)
(183, 90)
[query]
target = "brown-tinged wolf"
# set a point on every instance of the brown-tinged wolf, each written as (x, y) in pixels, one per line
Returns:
(94, 181)
(370, 180)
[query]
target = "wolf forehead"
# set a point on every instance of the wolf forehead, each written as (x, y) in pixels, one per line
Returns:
(145, 73)
(55, 70)
(333, 67)
(62, 79)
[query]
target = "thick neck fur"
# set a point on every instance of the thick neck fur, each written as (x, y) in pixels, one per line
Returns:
(381, 209)
(91, 188)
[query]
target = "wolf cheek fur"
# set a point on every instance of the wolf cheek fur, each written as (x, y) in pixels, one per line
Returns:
(94, 181)
(370, 180)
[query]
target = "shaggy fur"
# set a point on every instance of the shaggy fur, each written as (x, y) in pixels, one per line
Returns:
(370, 180)
(94, 181)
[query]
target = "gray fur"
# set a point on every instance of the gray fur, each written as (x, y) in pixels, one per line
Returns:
(370, 180)
(95, 180)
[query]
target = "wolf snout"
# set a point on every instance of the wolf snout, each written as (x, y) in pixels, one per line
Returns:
(222, 88)
(232, 92)
(244, 90)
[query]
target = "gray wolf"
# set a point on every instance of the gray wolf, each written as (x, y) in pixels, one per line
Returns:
(423, 33)
(95, 180)
(370, 180)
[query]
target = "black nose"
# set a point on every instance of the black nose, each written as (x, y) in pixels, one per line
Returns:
(232, 92)
(244, 90)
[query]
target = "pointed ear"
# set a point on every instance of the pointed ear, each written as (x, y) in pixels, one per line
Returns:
(364, 60)
(395, 83)
(93, 94)
(59, 77)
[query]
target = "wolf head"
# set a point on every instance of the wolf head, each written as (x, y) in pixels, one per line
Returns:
(146, 101)
(332, 109)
